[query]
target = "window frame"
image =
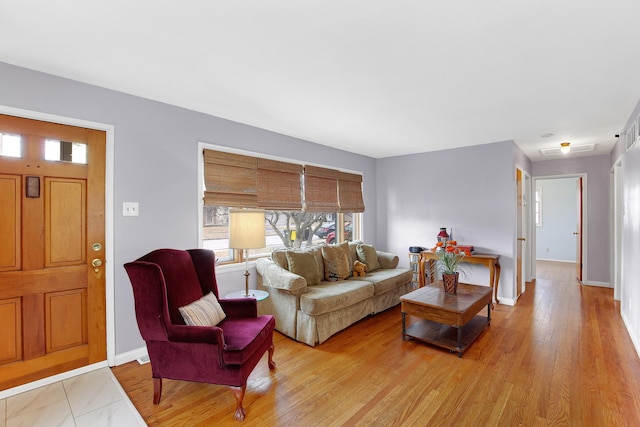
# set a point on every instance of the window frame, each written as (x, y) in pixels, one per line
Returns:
(237, 256)
(537, 212)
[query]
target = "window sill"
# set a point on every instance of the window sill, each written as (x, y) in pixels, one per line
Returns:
(236, 266)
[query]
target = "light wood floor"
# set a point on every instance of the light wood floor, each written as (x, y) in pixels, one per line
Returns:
(562, 356)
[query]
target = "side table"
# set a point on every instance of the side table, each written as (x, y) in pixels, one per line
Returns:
(253, 293)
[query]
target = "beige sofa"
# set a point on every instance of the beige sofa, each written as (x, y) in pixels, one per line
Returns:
(313, 297)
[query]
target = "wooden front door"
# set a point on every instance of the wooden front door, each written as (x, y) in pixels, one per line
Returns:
(52, 216)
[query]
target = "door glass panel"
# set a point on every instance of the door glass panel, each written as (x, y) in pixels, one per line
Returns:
(65, 151)
(10, 145)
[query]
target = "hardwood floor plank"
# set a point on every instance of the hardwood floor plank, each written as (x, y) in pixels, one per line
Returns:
(562, 356)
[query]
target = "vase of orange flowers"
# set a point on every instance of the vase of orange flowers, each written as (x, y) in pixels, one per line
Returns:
(450, 282)
(448, 263)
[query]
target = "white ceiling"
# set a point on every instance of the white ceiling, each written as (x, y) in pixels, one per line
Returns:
(379, 78)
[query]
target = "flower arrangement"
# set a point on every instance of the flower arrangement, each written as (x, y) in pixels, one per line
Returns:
(448, 263)
(449, 257)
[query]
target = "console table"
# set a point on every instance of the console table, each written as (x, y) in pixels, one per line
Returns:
(492, 262)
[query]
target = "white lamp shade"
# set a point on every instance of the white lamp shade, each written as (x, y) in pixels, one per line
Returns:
(246, 229)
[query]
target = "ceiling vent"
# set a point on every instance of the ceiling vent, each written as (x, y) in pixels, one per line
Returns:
(548, 152)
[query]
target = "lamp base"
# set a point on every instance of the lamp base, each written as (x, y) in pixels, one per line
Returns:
(246, 283)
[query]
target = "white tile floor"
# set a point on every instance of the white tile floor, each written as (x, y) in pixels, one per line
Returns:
(92, 399)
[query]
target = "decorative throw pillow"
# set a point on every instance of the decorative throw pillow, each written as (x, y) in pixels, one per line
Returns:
(368, 255)
(304, 264)
(204, 312)
(317, 252)
(336, 262)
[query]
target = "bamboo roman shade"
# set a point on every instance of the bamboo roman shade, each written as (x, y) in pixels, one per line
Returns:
(237, 180)
(350, 192)
(279, 185)
(230, 179)
(320, 189)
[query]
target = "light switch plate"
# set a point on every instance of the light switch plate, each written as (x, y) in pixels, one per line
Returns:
(130, 209)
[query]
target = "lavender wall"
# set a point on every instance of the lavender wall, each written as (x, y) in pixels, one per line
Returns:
(597, 209)
(156, 165)
(471, 190)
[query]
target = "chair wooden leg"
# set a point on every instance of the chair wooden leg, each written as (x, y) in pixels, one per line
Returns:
(239, 393)
(157, 390)
(272, 364)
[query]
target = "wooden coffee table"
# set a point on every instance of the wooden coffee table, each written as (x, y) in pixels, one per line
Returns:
(448, 321)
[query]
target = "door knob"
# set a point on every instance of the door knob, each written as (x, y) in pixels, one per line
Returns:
(575, 233)
(522, 239)
(96, 262)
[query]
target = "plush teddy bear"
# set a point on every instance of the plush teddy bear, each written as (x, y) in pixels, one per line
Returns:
(359, 268)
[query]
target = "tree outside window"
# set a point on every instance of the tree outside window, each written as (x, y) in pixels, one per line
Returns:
(284, 229)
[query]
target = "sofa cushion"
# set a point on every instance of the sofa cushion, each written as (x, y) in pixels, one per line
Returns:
(305, 264)
(388, 260)
(279, 256)
(317, 251)
(204, 312)
(353, 250)
(336, 262)
(332, 296)
(388, 280)
(368, 255)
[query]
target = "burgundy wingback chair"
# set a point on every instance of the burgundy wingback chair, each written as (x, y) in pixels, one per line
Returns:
(167, 279)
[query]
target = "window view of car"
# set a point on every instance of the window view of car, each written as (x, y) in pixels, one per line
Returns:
(325, 229)
(348, 234)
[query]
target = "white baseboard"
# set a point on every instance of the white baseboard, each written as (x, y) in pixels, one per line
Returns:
(130, 356)
(632, 335)
(556, 260)
(507, 301)
(598, 284)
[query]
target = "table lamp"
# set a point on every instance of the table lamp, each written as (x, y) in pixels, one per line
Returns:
(246, 231)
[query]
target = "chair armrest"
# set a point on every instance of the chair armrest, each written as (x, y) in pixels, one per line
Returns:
(277, 277)
(387, 260)
(239, 307)
(200, 335)
(196, 334)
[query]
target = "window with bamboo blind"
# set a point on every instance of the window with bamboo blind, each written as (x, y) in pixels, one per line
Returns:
(298, 200)
(321, 189)
(230, 179)
(350, 192)
(279, 185)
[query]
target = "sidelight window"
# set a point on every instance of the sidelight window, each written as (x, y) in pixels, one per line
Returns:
(10, 145)
(65, 151)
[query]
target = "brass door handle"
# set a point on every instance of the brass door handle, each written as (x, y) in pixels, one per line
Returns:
(522, 239)
(96, 262)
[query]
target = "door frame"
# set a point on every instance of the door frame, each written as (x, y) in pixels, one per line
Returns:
(109, 231)
(616, 212)
(528, 267)
(585, 220)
